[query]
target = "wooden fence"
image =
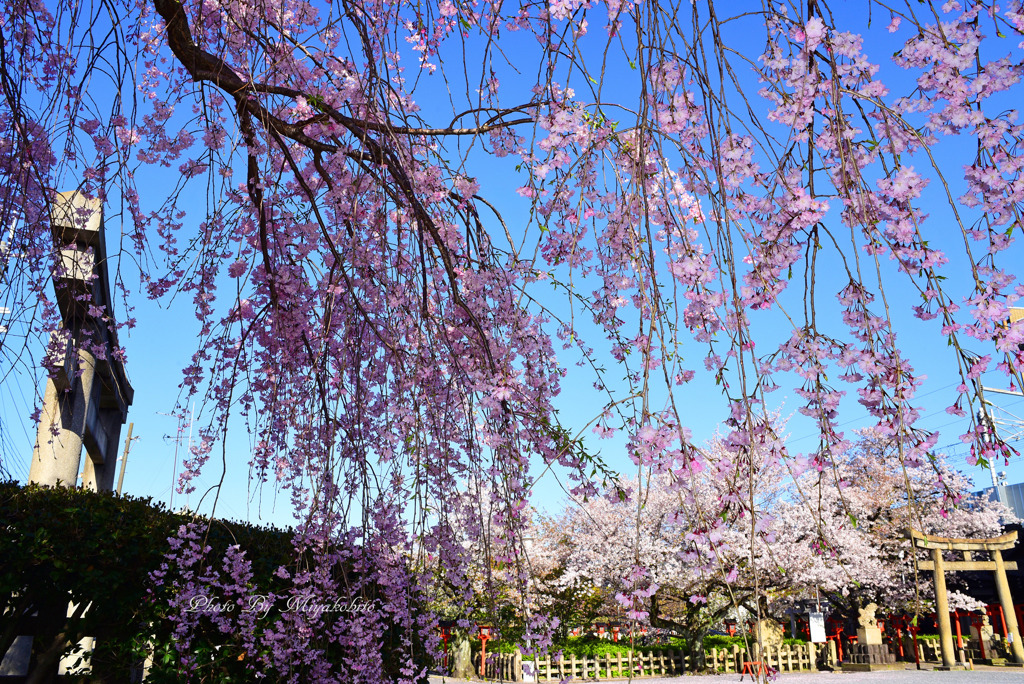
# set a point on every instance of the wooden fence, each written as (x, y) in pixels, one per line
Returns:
(671, 662)
(609, 666)
(930, 650)
(510, 667)
(505, 667)
(779, 657)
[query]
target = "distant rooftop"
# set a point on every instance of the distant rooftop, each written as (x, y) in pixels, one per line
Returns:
(1012, 496)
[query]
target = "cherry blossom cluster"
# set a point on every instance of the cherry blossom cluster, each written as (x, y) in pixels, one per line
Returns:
(399, 225)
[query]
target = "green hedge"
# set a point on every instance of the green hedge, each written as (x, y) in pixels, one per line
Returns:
(62, 545)
(726, 641)
(591, 646)
(67, 545)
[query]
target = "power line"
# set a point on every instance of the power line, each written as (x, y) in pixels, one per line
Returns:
(865, 418)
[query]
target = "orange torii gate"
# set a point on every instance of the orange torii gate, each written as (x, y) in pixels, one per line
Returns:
(940, 567)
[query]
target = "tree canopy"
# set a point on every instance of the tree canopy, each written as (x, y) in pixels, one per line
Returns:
(401, 222)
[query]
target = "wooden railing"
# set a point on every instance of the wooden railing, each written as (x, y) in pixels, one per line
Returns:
(609, 666)
(671, 662)
(504, 667)
(781, 658)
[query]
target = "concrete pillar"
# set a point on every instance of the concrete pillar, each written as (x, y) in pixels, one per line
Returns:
(85, 402)
(942, 610)
(105, 431)
(56, 457)
(1013, 632)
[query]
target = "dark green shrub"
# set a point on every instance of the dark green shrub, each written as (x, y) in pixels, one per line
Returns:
(62, 545)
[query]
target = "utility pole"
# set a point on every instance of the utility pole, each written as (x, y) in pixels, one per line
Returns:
(988, 433)
(986, 420)
(5, 252)
(124, 458)
(178, 439)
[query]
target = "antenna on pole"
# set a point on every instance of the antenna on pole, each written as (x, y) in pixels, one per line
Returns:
(177, 443)
(191, 422)
(987, 419)
(988, 435)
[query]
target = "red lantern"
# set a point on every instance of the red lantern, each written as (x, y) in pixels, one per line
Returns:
(898, 623)
(446, 633)
(913, 628)
(959, 632)
(836, 628)
(977, 621)
(485, 634)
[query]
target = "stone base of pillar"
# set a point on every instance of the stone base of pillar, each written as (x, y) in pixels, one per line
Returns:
(943, 668)
(874, 667)
(869, 635)
(871, 654)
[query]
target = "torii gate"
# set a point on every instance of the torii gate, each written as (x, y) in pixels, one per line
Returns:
(939, 567)
(87, 398)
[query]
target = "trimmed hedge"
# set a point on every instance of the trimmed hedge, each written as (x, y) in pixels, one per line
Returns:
(726, 641)
(591, 646)
(62, 545)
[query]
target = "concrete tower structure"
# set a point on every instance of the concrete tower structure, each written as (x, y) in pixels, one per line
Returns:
(87, 394)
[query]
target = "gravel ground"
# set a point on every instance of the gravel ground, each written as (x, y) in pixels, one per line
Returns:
(982, 675)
